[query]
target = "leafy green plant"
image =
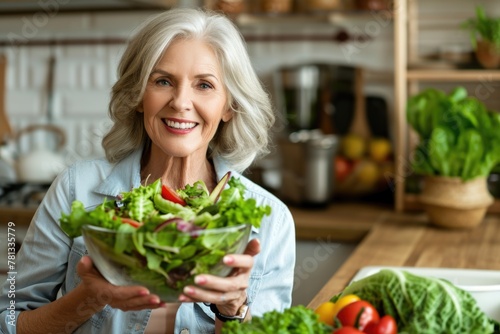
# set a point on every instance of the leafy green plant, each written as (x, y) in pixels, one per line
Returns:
(488, 28)
(459, 136)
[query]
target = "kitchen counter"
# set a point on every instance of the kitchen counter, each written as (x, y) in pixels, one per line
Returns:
(18, 214)
(343, 222)
(388, 238)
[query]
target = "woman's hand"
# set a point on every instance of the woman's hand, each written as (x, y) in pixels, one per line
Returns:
(125, 298)
(228, 293)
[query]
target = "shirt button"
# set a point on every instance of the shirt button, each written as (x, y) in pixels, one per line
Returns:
(184, 331)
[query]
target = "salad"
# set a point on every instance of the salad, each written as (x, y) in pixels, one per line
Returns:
(163, 236)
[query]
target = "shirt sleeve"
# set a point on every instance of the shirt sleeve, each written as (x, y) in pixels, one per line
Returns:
(272, 280)
(41, 263)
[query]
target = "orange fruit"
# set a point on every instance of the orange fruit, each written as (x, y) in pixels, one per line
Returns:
(325, 312)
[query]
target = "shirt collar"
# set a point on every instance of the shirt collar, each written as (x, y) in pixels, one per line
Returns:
(125, 175)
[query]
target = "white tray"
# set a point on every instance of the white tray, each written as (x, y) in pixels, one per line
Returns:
(483, 285)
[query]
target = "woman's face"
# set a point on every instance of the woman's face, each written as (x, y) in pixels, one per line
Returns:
(185, 99)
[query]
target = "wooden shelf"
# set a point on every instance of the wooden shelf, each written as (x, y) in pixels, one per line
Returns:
(452, 75)
(411, 203)
(406, 83)
(339, 16)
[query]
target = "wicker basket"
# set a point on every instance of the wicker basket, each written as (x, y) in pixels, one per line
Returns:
(452, 203)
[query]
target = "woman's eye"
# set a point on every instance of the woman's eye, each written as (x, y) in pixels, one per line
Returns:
(205, 85)
(162, 82)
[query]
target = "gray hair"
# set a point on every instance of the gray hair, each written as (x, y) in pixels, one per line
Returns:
(239, 141)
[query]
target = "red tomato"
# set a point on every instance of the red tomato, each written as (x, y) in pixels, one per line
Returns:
(386, 325)
(343, 168)
(347, 330)
(358, 314)
(132, 222)
(171, 195)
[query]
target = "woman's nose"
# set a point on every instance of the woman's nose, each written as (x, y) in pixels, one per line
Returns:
(181, 99)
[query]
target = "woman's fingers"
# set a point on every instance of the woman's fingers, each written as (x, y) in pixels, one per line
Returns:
(228, 302)
(195, 294)
(214, 289)
(85, 266)
(225, 290)
(253, 247)
(243, 262)
(135, 303)
(126, 298)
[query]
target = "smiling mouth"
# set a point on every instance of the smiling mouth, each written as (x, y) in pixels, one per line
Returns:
(180, 125)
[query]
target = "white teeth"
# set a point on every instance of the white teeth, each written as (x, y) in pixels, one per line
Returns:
(178, 125)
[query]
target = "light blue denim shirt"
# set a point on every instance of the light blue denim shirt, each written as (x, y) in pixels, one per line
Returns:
(46, 262)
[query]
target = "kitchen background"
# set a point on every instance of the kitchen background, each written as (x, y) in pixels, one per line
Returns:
(61, 58)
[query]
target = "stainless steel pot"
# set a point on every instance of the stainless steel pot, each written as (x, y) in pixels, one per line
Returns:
(306, 167)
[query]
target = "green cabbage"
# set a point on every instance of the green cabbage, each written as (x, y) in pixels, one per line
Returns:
(422, 305)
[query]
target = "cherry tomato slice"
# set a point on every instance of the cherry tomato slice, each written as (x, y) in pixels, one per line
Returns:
(358, 314)
(171, 195)
(386, 325)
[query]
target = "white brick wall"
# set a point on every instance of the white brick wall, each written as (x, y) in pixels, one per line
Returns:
(82, 82)
(83, 75)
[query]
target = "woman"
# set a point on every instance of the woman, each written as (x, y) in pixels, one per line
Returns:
(187, 106)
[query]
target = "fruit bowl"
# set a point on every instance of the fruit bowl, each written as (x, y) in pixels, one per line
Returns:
(165, 261)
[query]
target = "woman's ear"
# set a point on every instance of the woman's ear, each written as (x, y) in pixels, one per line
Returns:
(228, 114)
(140, 108)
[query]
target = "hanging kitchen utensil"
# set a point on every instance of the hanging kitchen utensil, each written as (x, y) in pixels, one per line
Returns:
(7, 170)
(376, 114)
(359, 124)
(50, 88)
(5, 128)
(343, 112)
(41, 164)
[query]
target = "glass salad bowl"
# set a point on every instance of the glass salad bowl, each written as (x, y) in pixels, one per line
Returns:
(165, 261)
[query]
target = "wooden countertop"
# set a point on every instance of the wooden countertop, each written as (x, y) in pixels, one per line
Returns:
(387, 238)
(348, 222)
